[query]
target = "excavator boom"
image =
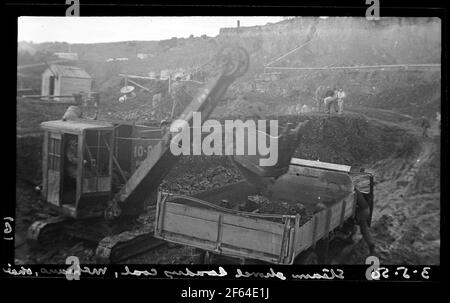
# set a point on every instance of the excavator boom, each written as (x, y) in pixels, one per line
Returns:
(232, 62)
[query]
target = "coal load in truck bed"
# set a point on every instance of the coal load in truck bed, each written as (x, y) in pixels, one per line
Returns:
(223, 187)
(198, 178)
(260, 204)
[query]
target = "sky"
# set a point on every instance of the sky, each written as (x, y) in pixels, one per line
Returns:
(112, 29)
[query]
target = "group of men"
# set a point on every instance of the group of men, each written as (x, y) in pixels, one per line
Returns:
(332, 102)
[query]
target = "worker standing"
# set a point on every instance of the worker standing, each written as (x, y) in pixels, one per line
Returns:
(362, 217)
(330, 101)
(319, 99)
(178, 96)
(72, 113)
(330, 92)
(425, 124)
(340, 100)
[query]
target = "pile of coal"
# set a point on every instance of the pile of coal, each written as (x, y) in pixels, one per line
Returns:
(190, 184)
(263, 205)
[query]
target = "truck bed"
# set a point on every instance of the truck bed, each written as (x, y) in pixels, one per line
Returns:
(277, 238)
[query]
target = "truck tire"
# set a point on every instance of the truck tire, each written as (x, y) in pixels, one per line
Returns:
(308, 257)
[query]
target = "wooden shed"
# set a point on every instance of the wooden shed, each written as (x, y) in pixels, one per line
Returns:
(62, 80)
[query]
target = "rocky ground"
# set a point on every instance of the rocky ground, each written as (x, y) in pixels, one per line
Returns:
(407, 193)
(406, 220)
(379, 130)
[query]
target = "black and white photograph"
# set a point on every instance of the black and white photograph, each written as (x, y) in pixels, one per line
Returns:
(242, 140)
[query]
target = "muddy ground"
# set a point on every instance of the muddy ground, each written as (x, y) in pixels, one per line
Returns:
(379, 130)
(406, 220)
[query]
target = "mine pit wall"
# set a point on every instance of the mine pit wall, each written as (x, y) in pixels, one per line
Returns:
(342, 41)
(347, 42)
(428, 176)
(348, 139)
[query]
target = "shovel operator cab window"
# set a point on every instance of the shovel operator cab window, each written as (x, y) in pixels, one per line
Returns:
(70, 167)
(96, 163)
(54, 153)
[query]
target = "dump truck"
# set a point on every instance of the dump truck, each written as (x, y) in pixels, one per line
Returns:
(201, 222)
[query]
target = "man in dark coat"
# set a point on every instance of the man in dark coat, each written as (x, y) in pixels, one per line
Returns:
(362, 217)
(425, 125)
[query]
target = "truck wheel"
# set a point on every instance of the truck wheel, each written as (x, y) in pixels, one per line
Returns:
(309, 257)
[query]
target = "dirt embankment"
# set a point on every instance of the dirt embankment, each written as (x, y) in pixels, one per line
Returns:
(347, 139)
(406, 166)
(30, 113)
(29, 159)
(350, 139)
(406, 220)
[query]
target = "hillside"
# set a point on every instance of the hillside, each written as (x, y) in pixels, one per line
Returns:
(334, 42)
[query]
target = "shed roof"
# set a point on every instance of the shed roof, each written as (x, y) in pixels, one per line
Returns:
(77, 126)
(69, 71)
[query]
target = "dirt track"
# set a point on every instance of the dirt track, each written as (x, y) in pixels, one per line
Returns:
(406, 219)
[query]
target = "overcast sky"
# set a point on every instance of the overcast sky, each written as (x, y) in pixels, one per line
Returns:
(110, 29)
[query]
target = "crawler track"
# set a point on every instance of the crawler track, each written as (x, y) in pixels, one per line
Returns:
(126, 245)
(116, 242)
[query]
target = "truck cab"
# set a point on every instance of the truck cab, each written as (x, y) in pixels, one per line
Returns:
(77, 166)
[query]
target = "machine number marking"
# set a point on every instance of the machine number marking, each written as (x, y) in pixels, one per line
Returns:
(141, 150)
